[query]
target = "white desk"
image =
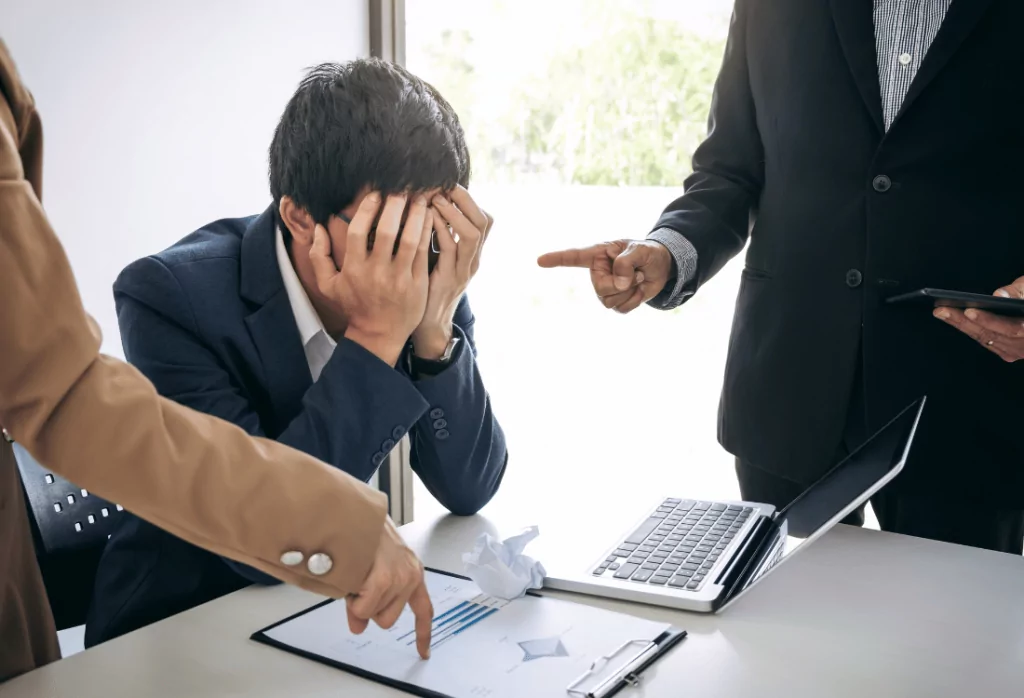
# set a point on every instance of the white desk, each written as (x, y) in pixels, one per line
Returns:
(860, 614)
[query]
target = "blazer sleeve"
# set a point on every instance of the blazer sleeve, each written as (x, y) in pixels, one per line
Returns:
(717, 210)
(356, 405)
(99, 423)
(458, 447)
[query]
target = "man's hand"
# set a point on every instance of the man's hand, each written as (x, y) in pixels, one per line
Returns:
(456, 265)
(382, 292)
(625, 273)
(1003, 336)
(396, 579)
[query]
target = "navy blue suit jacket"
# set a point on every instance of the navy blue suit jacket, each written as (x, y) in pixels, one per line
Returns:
(208, 321)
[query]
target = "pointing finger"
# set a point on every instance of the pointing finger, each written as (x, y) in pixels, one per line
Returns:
(579, 257)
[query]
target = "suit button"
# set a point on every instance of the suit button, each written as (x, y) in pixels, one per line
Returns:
(377, 459)
(436, 413)
(881, 183)
(442, 434)
(320, 564)
(854, 278)
(387, 446)
(397, 433)
(440, 424)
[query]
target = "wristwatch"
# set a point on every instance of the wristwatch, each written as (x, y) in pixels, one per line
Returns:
(432, 367)
(449, 350)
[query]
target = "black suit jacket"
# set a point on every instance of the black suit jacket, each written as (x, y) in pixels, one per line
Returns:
(796, 145)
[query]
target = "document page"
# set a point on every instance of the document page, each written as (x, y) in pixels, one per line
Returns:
(481, 648)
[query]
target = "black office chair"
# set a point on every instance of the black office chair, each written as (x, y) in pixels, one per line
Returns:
(70, 526)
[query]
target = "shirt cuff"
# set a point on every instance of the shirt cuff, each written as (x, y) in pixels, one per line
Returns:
(685, 256)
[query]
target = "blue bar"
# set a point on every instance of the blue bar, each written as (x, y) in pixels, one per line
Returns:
(451, 610)
(456, 620)
(476, 620)
(466, 622)
(461, 616)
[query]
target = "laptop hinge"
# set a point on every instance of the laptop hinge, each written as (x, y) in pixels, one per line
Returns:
(747, 559)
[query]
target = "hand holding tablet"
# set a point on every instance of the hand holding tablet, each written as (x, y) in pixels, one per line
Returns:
(996, 322)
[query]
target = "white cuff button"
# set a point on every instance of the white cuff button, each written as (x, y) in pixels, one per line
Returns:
(320, 564)
(292, 558)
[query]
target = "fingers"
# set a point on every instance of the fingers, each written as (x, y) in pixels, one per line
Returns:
(420, 265)
(324, 268)
(359, 228)
(997, 324)
(636, 298)
(579, 257)
(616, 299)
(470, 237)
(983, 336)
(476, 215)
(626, 266)
(412, 235)
(449, 248)
(387, 228)
(356, 624)
(389, 615)
(370, 599)
(1014, 290)
(423, 609)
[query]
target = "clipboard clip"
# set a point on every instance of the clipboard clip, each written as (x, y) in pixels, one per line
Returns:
(626, 674)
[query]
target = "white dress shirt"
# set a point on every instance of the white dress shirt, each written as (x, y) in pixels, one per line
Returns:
(317, 344)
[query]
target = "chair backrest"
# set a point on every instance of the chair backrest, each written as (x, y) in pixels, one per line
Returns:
(67, 517)
(71, 526)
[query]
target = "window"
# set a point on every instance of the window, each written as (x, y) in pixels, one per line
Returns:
(581, 118)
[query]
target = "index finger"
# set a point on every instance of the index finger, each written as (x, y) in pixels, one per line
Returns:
(423, 609)
(476, 216)
(580, 257)
(359, 228)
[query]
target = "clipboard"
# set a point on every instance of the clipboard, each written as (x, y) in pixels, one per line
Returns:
(630, 672)
(630, 659)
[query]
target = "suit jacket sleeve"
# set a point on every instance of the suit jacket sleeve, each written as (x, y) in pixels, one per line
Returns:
(355, 406)
(458, 447)
(716, 211)
(100, 423)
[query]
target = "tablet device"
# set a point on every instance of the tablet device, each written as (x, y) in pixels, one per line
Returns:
(959, 299)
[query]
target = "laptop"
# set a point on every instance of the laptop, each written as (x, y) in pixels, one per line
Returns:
(702, 555)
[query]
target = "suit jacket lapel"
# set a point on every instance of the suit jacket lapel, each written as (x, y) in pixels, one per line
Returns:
(272, 323)
(855, 26)
(961, 18)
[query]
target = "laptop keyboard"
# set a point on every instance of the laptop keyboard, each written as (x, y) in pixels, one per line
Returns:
(678, 545)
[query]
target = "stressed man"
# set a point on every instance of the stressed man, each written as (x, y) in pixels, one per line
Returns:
(335, 321)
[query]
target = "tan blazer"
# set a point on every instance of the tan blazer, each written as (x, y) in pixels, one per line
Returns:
(100, 424)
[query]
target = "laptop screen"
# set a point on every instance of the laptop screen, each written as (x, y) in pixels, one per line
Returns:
(841, 491)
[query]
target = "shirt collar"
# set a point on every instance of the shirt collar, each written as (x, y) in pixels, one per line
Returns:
(306, 317)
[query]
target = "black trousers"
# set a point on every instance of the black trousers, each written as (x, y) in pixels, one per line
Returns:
(944, 518)
(949, 520)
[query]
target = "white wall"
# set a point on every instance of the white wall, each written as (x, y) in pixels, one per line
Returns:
(157, 115)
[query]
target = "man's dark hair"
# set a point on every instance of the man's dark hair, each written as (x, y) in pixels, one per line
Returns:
(364, 123)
